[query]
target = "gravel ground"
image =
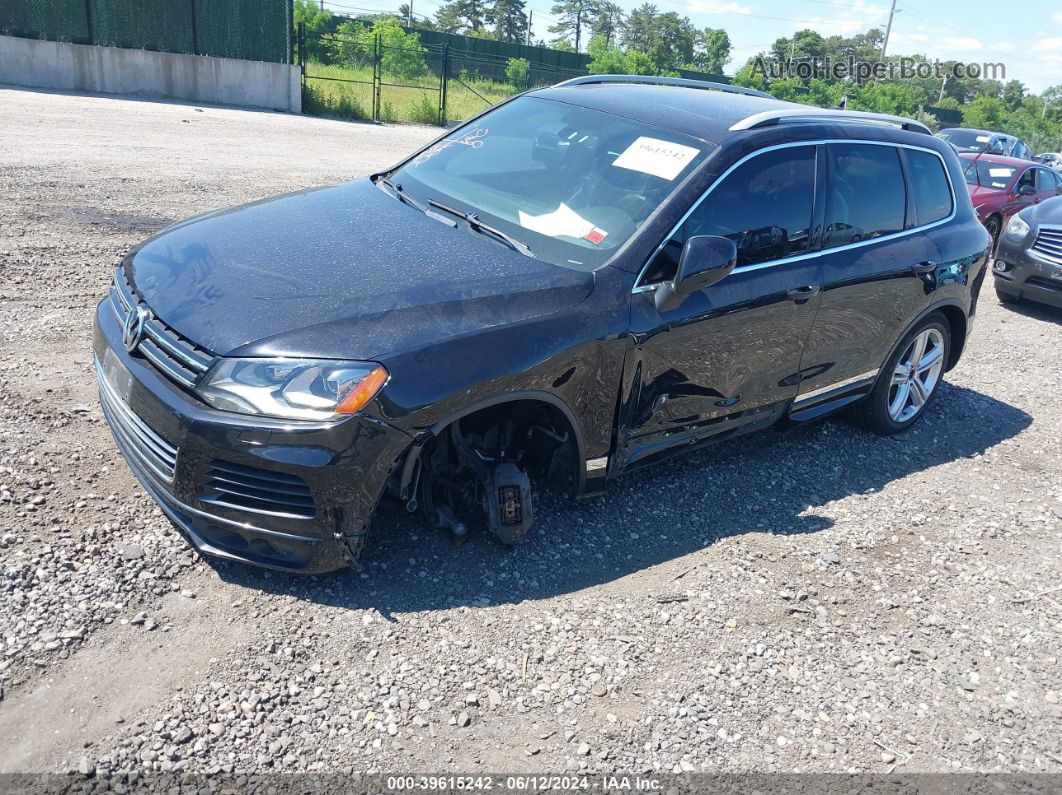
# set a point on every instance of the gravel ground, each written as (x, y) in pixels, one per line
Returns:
(815, 600)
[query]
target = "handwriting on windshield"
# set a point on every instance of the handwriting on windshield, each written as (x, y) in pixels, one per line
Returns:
(473, 140)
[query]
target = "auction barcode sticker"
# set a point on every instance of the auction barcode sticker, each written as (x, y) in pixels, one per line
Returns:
(664, 159)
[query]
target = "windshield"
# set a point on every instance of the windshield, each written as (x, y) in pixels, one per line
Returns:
(988, 174)
(965, 140)
(570, 183)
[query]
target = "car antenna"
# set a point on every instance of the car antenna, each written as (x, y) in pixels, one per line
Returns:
(973, 163)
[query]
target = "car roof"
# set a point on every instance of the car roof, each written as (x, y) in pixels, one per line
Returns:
(701, 113)
(1015, 162)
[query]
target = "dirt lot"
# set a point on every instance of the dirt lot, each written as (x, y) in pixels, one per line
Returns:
(818, 600)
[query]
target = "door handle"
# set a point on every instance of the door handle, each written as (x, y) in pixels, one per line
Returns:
(802, 294)
(928, 266)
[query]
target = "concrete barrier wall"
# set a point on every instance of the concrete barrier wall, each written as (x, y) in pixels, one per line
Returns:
(109, 70)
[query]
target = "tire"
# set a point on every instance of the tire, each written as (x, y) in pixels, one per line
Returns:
(1007, 298)
(892, 407)
(993, 225)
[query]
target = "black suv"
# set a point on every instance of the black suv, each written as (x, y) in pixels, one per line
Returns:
(580, 281)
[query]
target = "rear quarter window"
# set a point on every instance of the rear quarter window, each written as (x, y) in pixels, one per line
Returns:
(929, 182)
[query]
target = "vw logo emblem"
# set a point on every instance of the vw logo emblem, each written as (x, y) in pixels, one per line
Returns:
(133, 328)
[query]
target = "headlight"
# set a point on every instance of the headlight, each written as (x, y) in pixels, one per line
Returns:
(1017, 227)
(298, 389)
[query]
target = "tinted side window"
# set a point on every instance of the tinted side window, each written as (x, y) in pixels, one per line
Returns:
(866, 197)
(764, 206)
(929, 182)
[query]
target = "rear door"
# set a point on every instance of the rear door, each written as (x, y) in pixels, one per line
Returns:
(873, 254)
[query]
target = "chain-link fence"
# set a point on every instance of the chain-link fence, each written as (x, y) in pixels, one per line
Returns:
(255, 30)
(360, 77)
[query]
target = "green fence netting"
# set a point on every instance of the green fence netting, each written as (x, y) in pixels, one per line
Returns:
(256, 30)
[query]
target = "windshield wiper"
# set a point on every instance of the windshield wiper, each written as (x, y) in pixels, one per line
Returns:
(477, 225)
(400, 194)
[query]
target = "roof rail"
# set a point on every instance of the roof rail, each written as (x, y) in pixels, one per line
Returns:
(780, 115)
(664, 81)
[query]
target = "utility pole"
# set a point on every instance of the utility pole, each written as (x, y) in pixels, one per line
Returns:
(942, 87)
(322, 5)
(530, 21)
(888, 30)
(409, 14)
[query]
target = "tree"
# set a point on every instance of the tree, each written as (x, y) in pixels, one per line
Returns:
(1013, 94)
(510, 21)
(641, 30)
(609, 22)
(986, 113)
(462, 16)
(516, 72)
(573, 17)
(607, 59)
(673, 47)
(315, 22)
(402, 56)
(711, 50)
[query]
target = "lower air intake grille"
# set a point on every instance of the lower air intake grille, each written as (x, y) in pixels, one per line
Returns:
(257, 490)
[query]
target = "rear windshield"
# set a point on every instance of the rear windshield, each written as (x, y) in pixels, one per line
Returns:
(965, 140)
(570, 183)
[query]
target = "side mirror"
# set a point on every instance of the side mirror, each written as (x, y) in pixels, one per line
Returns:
(1026, 190)
(705, 260)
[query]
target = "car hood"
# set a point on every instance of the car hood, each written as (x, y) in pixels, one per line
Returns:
(340, 272)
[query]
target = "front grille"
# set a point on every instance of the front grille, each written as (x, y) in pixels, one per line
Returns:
(1048, 243)
(172, 355)
(149, 448)
(257, 490)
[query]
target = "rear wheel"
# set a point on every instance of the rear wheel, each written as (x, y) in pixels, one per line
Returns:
(911, 378)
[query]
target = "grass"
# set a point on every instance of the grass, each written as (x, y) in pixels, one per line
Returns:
(347, 92)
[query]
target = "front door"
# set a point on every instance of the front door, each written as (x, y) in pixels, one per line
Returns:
(728, 358)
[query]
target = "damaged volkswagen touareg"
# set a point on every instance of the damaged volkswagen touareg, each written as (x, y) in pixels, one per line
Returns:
(580, 281)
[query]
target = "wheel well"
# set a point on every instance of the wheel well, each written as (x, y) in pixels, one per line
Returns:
(540, 434)
(957, 327)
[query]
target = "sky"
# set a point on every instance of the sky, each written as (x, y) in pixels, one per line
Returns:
(1028, 43)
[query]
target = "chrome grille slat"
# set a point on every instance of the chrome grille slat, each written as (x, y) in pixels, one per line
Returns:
(1048, 243)
(186, 358)
(149, 447)
(171, 354)
(159, 359)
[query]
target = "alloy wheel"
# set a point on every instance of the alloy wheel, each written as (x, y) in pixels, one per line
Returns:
(917, 375)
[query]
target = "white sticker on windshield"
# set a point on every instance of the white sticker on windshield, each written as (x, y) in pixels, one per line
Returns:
(999, 172)
(982, 139)
(562, 222)
(662, 159)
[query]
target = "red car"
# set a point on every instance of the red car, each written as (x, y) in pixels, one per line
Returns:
(1000, 186)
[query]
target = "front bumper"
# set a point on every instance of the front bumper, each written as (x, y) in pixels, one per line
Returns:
(1027, 276)
(177, 446)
